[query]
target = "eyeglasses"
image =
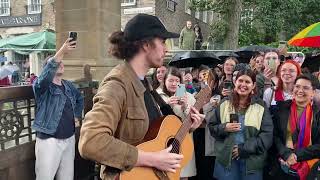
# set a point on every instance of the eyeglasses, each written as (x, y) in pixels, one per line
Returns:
(291, 71)
(273, 58)
(304, 88)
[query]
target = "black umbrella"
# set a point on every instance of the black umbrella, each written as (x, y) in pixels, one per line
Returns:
(194, 59)
(224, 54)
(249, 51)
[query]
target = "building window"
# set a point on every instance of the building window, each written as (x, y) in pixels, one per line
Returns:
(4, 7)
(186, 7)
(197, 14)
(205, 16)
(171, 5)
(128, 2)
(34, 6)
(210, 17)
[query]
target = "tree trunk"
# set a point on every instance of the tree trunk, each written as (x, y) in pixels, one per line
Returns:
(233, 24)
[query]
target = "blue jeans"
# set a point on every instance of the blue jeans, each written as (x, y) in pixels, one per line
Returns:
(236, 172)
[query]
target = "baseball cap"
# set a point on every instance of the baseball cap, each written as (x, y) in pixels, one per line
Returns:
(144, 26)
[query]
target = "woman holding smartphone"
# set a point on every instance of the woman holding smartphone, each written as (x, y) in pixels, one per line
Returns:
(243, 129)
(288, 72)
(297, 133)
(180, 101)
(226, 80)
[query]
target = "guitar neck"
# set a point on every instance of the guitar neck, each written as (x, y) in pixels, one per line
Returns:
(202, 97)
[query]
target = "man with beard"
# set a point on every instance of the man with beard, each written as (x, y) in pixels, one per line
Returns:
(59, 105)
(187, 37)
(123, 108)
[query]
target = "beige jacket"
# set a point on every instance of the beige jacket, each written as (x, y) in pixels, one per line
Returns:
(117, 121)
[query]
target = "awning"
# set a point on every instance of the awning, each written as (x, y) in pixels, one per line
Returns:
(28, 43)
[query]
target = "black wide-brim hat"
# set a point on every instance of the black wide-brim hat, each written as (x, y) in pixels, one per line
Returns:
(144, 26)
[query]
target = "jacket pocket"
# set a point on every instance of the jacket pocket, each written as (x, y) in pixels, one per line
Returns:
(136, 124)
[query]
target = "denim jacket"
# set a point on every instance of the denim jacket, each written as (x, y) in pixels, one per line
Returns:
(50, 100)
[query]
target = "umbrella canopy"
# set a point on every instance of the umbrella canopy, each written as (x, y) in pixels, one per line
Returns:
(224, 54)
(309, 37)
(249, 51)
(37, 40)
(194, 59)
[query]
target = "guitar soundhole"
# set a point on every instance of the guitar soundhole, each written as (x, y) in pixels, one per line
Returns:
(175, 145)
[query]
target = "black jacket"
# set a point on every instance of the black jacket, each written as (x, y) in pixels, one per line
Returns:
(281, 118)
(258, 134)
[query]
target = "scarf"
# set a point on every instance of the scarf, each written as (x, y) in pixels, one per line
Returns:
(304, 137)
(278, 95)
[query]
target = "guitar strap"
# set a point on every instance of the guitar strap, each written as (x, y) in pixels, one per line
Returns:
(164, 108)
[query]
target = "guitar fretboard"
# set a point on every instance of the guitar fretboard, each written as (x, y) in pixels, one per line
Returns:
(202, 97)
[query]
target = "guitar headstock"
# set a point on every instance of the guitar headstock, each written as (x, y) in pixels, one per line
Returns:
(208, 78)
(205, 93)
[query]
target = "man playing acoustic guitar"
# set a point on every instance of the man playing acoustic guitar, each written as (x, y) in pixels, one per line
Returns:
(123, 108)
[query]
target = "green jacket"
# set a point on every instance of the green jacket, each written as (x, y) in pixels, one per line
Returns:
(258, 134)
(186, 39)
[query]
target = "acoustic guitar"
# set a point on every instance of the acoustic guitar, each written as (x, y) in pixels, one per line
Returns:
(163, 133)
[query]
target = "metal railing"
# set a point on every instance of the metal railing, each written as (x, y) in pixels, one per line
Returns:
(17, 112)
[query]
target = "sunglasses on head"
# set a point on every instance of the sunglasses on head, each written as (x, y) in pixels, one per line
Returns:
(273, 58)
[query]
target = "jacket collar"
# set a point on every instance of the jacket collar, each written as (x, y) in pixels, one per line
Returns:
(135, 81)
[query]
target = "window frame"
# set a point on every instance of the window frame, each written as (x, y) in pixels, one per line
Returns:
(210, 17)
(29, 11)
(186, 7)
(8, 9)
(205, 16)
(197, 14)
(171, 5)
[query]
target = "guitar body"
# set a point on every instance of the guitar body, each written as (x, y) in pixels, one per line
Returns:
(166, 132)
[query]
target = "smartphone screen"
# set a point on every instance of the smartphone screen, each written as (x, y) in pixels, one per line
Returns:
(181, 90)
(227, 85)
(272, 65)
(234, 118)
(73, 35)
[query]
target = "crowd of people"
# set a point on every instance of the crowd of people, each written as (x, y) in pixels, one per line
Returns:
(262, 120)
(12, 76)
(277, 118)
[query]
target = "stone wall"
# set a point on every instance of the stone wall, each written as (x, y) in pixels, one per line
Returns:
(94, 21)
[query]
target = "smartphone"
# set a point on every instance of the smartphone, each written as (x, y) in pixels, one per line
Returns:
(282, 44)
(234, 118)
(181, 91)
(73, 35)
(227, 85)
(272, 65)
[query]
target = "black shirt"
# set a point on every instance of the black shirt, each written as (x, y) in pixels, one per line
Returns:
(151, 106)
(66, 127)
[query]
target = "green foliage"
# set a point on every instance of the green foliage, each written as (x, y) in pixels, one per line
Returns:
(272, 20)
(218, 28)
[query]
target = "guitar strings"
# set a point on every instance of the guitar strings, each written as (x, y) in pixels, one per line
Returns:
(186, 125)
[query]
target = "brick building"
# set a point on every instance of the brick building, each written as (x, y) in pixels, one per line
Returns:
(173, 13)
(19, 17)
